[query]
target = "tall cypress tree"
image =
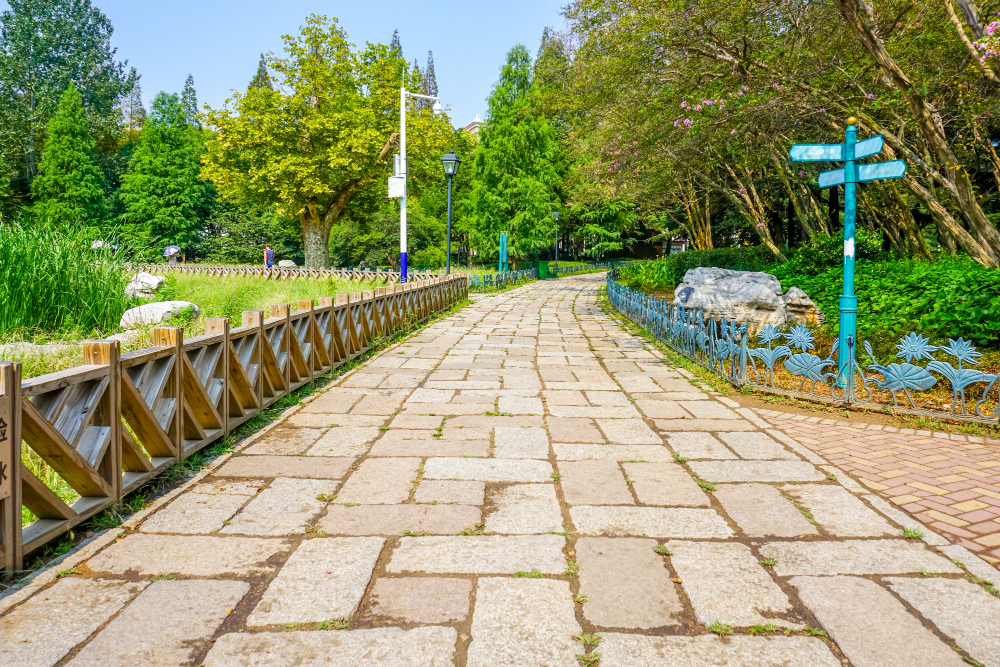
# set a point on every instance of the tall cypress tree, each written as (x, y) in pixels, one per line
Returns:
(190, 100)
(163, 196)
(395, 46)
(68, 189)
(261, 79)
(430, 79)
(133, 111)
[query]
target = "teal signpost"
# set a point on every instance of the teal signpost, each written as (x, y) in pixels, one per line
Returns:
(849, 176)
(503, 252)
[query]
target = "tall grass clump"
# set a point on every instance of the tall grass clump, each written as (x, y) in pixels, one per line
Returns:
(53, 282)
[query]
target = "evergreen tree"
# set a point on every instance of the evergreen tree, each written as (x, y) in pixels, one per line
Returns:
(45, 45)
(517, 169)
(133, 111)
(395, 48)
(261, 79)
(163, 197)
(68, 189)
(430, 79)
(189, 99)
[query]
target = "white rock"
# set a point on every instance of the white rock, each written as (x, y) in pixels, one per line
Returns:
(151, 314)
(286, 264)
(749, 297)
(144, 285)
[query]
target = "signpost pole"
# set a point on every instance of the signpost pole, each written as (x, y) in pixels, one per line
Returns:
(848, 300)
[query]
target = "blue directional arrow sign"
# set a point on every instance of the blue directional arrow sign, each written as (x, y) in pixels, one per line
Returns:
(849, 176)
(876, 171)
(868, 147)
(817, 152)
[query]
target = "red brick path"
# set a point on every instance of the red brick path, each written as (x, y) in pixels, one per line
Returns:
(949, 482)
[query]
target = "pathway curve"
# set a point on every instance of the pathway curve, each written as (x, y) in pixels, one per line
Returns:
(515, 484)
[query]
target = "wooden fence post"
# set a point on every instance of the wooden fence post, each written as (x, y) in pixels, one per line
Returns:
(285, 310)
(312, 363)
(215, 326)
(109, 409)
(11, 557)
(174, 337)
(255, 318)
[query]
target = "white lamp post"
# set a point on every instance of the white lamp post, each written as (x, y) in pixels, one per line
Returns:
(398, 188)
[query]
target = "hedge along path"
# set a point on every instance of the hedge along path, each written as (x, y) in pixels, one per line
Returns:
(111, 425)
(522, 483)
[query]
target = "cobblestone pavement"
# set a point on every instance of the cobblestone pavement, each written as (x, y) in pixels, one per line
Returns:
(522, 483)
(949, 482)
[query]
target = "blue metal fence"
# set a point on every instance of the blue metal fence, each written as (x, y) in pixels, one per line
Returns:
(724, 348)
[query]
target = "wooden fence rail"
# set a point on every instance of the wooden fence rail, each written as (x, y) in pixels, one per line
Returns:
(298, 273)
(113, 424)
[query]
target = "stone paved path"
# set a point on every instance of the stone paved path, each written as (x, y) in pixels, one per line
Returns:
(950, 482)
(502, 489)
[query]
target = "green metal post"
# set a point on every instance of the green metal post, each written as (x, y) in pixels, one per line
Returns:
(848, 301)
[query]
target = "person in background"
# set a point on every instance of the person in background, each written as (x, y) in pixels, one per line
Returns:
(268, 257)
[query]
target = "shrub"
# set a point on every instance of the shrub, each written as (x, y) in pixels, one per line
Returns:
(665, 273)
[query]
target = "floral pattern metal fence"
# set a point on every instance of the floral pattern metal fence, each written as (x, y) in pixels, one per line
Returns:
(488, 282)
(754, 358)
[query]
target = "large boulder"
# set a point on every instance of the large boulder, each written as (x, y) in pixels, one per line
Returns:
(151, 314)
(749, 297)
(144, 285)
(286, 264)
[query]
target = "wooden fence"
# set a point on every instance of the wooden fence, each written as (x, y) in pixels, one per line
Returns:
(113, 424)
(298, 273)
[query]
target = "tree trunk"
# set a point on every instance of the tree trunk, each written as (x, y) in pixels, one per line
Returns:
(315, 237)
(923, 114)
(949, 231)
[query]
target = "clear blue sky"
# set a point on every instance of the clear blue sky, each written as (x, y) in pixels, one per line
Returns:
(219, 41)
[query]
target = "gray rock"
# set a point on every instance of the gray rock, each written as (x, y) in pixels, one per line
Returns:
(520, 622)
(49, 624)
(870, 626)
(749, 297)
(186, 614)
(144, 285)
(649, 521)
(960, 609)
(726, 583)
(620, 650)
(626, 584)
(324, 578)
(479, 554)
(420, 647)
(151, 314)
(286, 264)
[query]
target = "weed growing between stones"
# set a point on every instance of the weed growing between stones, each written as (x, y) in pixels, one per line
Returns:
(65, 573)
(681, 459)
(765, 629)
(662, 549)
(164, 576)
(720, 628)
(478, 529)
(333, 624)
(769, 562)
(580, 598)
(913, 533)
(534, 574)
(410, 533)
(571, 568)
(814, 632)
(705, 486)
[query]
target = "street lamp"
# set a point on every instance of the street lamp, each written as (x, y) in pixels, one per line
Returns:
(450, 162)
(397, 184)
(555, 216)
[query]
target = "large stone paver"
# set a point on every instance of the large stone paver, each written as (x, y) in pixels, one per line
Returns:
(726, 583)
(392, 520)
(839, 511)
(489, 470)
(854, 557)
(284, 508)
(523, 509)
(626, 584)
(314, 467)
(168, 624)
(649, 522)
(324, 578)
(475, 554)
(620, 650)
(422, 599)
(598, 482)
(432, 646)
(760, 511)
(870, 626)
(380, 481)
(193, 555)
(520, 622)
(664, 484)
(195, 513)
(960, 609)
(756, 471)
(45, 628)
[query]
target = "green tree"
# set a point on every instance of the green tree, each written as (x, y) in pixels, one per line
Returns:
(163, 197)
(68, 189)
(44, 46)
(261, 79)
(133, 111)
(189, 98)
(323, 138)
(516, 170)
